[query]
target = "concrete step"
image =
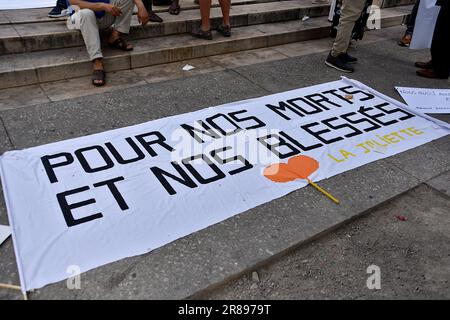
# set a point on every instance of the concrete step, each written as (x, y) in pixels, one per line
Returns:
(32, 30)
(40, 14)
(394, 3)
(11, 98)
(50, 65)
(28, 37)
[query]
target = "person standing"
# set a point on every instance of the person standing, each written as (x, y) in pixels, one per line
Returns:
(406, 40)
(439, 66)
(204, 31)
(152, 15)
(338, 57)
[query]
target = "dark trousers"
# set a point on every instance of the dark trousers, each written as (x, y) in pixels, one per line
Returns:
(162, 2)
(412, 19)
(148, 3)
(440, 47)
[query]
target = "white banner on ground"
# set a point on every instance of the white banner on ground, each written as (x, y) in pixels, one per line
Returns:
(426, 100)
(5, 232)
(26, 4)
(100, 198)
(424, 26)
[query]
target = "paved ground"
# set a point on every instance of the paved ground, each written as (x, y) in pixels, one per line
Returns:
(211, 256)
(413, 257)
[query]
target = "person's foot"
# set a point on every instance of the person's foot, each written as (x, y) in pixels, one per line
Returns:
(224, 30)
(154, 17)
(98, 74)
(339, 63)
(175, 8)
(115, 41)
(405, 41)
(201, 34)
(431, 74)
(423, 65)
(120, 44)
(60, 10)
(348, 58)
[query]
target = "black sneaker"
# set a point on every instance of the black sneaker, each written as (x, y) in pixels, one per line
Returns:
(199, 33)
(338, 63)
(349, 58)
(224, 30)
(60, 10)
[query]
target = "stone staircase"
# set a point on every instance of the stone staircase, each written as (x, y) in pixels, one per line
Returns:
(35, 49)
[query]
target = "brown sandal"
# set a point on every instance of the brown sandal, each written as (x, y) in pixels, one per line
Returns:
(120, 44)
(100, 77)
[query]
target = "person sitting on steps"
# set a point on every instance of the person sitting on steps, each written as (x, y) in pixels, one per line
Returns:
(95, 15)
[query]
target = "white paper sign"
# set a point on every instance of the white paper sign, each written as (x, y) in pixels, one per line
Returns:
(100, 198)
(5, 232)
(425, 22)
(426, 100)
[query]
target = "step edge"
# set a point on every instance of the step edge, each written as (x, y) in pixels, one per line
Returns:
(154, 30)
(166, 51)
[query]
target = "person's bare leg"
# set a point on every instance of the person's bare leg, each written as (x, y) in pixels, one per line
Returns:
(225, 7)
(121, 23)
(116, 35)
(205, 9)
